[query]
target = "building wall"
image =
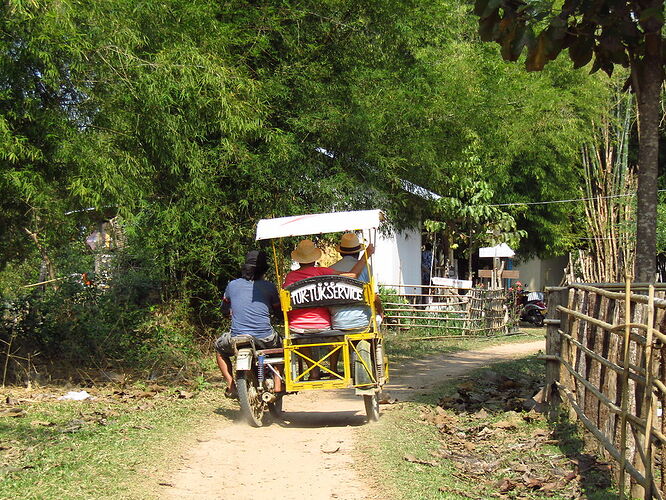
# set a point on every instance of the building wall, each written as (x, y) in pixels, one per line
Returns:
(536, 274)
(397, 259)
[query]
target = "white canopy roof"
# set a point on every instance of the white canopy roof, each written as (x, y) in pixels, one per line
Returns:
(301, 225)
(501, 250)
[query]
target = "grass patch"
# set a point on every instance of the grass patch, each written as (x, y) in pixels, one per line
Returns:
(400, 433)
(475, 438)
(110, 447)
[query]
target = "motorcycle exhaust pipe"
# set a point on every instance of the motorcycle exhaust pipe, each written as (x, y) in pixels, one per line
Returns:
(268, 397)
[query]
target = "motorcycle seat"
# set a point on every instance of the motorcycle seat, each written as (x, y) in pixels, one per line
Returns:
(275, 350)
(242, 340)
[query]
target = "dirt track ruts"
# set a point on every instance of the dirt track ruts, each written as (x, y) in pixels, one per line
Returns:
(310, 454)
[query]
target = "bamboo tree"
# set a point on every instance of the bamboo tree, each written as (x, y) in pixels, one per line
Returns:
(609, 190)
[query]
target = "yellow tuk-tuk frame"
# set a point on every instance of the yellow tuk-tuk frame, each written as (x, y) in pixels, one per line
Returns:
(347, 343)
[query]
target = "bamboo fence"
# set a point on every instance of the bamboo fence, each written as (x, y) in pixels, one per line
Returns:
(455, 312)
(605, 359)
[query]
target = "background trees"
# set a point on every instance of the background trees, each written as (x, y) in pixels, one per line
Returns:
(190, 120)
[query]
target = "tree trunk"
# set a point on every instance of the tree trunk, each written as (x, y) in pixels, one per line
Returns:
(45, 256)
(647, 74)
(647, 78)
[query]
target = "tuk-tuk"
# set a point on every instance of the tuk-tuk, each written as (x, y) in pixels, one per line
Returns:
(264, 376)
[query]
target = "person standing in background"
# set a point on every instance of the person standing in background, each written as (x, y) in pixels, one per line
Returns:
(426, 270)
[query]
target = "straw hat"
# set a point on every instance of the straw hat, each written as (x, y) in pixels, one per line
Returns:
(306, 252)
(349, 244)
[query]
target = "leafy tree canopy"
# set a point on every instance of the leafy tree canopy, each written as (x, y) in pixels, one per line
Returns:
(194, 119)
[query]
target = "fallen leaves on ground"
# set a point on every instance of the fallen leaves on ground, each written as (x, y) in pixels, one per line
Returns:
(511, 421)
(459, 492)
(184, 394)
(491, 428)
(330, 446)
(42, 423)
(13, 412)
(385, 398)
(74, 425)
(506, 485)
(493, 391)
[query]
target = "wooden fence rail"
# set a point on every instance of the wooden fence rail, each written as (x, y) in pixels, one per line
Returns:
(605, 358)
(460, 312)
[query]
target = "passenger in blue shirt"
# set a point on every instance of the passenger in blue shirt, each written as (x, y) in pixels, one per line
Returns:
(250, 300)
(351, 318)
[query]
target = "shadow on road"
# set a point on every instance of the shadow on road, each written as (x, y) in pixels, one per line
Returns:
(303, 419)
(312, 419)
(230, 413)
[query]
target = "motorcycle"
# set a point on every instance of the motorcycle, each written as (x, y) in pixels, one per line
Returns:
(259, 379)
(532, 307)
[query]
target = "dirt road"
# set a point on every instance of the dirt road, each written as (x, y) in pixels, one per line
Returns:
(309, 455)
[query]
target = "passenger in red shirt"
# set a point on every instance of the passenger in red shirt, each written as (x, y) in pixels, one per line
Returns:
(311, 319)
(314, 319)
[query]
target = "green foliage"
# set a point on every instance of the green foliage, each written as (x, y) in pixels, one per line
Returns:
(605, 34)
(610, 33)
(524, 130)
(120, 320)
(194, 119)
(466, 215)
(187, 99)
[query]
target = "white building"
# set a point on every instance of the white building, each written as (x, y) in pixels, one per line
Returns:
(397, 260)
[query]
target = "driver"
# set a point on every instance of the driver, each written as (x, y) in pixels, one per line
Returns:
(250, 300)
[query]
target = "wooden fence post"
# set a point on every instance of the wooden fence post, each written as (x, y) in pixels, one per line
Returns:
(569, 325)
(625, 386)
(648, 407)
(556, 297)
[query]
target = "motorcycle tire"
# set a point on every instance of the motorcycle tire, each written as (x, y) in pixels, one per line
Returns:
(536, 318)
(251, 405)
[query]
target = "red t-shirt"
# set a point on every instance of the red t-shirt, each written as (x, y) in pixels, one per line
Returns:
(310, 317)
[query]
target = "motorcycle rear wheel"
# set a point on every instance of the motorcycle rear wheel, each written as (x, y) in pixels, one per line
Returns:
(252, 407)
(536, 318)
